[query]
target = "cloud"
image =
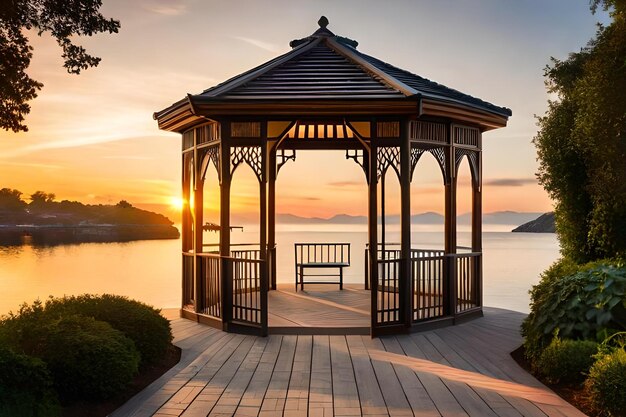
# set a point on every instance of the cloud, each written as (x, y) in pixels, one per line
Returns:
(510, 182)
(67, 143)
(33, 165)
(267, 46)
(347, 183)
(129, 157)
(167, 8)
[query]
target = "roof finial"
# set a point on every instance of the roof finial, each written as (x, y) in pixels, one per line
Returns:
(323, 22)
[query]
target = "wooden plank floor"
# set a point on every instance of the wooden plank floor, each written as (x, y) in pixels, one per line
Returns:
(463, 370)
(319, 306)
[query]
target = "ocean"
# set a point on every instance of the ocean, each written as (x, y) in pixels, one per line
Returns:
(150, 270)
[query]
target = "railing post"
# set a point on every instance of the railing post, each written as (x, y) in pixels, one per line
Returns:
(200, 293)
(366, 268)
(450, 287)
(264, 289)
(478, 279)
(226, 283)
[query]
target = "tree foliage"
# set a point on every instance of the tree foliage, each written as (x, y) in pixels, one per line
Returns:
(11, 200)
(63, 19)
(581, 143)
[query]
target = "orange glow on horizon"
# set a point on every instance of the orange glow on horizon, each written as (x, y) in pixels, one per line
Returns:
(177, 203)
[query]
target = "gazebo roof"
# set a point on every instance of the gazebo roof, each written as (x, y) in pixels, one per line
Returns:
(321, 72)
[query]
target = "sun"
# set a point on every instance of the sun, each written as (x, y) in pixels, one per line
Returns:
(177, 203)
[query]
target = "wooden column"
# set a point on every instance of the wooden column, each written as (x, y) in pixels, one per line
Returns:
(372, 230)
(449, 287)
(186, 223)
(406, 275)
(477, 227)
(263, 234)
(271, 214)
(226, 274)
(197, 226)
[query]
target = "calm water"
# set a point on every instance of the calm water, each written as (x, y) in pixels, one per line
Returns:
(150, 270)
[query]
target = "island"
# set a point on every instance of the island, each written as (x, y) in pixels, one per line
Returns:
(45, 221)
(542, 224)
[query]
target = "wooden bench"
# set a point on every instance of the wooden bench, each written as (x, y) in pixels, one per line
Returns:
(321, 256)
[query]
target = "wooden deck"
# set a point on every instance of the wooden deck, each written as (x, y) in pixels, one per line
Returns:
(463, 370)
(319, 309)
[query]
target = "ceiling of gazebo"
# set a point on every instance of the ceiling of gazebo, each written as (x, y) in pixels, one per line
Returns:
(324, 74)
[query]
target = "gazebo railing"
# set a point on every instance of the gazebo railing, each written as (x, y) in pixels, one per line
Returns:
(210, 282)
(467, 280)
(244, 303)
(392, 251)
(249, 291)
(428, 287)
(188, 284)
(388, 292)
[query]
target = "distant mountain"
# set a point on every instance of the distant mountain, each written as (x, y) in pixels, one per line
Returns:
(501, 217)
(338, 219)
(427, 218)
(542, 224)
(498, 218)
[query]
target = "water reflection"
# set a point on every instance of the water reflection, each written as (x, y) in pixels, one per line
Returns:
(150, 270)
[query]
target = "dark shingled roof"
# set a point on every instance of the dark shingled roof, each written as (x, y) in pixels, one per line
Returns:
(326, 66)
(431, 89)
(320, 72)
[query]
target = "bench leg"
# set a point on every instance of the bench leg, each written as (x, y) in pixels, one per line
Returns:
(341, 278)
(301, 278)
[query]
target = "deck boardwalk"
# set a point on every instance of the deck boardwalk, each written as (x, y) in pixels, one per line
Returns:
(464, 370)
(318, 306)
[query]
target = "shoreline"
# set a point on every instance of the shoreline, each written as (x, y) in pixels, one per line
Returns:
(60, 234)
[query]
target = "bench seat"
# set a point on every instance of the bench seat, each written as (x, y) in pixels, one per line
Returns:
(320, 255)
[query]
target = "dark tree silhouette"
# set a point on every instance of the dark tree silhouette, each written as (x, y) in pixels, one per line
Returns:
(63, 19)
(581, 143)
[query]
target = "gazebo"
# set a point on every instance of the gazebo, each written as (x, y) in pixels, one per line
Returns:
(325, 94)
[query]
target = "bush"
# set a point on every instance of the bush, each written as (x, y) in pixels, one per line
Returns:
(141, 323)
(606, 383)
(88, 359)
(567, 360)
(579, 305)
(25, 387)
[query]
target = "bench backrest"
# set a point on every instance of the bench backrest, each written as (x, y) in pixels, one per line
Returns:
(322, 253)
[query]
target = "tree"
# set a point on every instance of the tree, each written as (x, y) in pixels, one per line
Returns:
(64, 19)
(40, 197)
(581, 144)
(10, 200)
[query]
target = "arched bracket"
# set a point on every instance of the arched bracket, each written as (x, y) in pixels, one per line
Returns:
(472, 157)
(388, 156)
(252, 155)
(438, 153)
(358, 156)
(282, 157)
(416, 154)
(212, 155)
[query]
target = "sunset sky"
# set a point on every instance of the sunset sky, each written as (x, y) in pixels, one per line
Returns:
(92, 137)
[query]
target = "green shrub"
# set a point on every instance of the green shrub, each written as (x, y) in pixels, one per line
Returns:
(25, 387)
(579, 305)
(565, 360)
(88, 359)
(141, 323)
(606, 384)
